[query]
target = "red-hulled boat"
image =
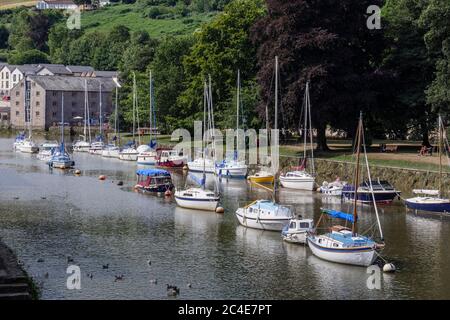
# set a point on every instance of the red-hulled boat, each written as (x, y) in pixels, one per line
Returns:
(170, 158)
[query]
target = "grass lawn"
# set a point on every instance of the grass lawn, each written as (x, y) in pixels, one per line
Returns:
(7, 4)
(130, 16)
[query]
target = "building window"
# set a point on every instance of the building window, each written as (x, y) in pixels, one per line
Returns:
(14, 78)
(21, 84)
(54, 93)
(37, 113)
(17, 113)
(38, 93)
(54, 114)
(17, 103)
(38, 103)
(74, 94)
(17, 93)
(54, 103)
(74, 114)
(7, 75)
(7, 84)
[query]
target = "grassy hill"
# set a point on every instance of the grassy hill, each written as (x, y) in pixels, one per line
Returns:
(8, 4)
(137, 18)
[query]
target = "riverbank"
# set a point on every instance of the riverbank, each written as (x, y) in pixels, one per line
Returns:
(15, 284)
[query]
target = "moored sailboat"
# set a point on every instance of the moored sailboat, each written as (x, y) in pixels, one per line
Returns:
(432, 200)
(342, 244)
(83, 145)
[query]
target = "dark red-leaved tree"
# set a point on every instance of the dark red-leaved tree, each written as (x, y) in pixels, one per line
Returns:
(328, 43)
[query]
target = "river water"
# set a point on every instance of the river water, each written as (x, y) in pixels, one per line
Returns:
(46, 216)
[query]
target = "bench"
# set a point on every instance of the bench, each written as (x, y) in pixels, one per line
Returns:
(391, 148)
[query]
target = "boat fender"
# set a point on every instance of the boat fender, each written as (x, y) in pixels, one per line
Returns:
(389, 267)
(220, 210)
(168, 193)
(102, 177)
(185, 168)
(77, 171)
(120, 183)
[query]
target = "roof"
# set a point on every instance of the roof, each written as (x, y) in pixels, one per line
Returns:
(152, 172)
(59, 2)
(70, 83)
(55, 68)
(79, 69)
(27, 68)
(106, 74)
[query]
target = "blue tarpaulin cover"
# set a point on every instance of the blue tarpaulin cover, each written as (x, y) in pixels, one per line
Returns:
(339, 214)
(152, 172)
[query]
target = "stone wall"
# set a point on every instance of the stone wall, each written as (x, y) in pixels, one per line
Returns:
(403, 179)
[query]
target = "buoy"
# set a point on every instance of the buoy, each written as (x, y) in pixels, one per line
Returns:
(102, 177)
(220, 210)
(120, 183)
(389, 267)
(168, 193)
(185, 168)
(77, 171)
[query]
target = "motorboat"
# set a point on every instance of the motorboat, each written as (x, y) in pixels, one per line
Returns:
(46, 150)
(147, 157)
(332, 188)
(153, 180)
(28, 146)
(197, 198)
(170, 158)
(262, 176)
(300, 180)
(297, 230)
(380, 190)
(264, 215)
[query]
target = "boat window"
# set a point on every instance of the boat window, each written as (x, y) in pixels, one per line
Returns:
(293, 225)
(250, 210)
(335, 245)
(210, 195)
(304, 225)
(187, 194)
(320, 240)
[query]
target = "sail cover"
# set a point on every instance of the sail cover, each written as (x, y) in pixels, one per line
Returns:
(200, 181)
(339, 214)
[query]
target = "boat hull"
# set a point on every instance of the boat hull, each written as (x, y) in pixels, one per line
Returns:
(62, 164)
(362, 256)
(29, 149)
(265, 179)
(128, 156)
(297, 183)
(171, 164)
(209, 204)
(230, 172)
(437, 206)
(110, 153)
(154, 189)
(262, 224)
(385, 197)
(196, 167)
(146, 160)
(296, 238)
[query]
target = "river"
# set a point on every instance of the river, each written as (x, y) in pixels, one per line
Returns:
(46, 216)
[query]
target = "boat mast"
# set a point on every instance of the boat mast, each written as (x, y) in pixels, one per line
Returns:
(358, 154)
(275, 126)
(310, 133)
(440, 154)
(62, 123)
(116, 118)
(101, 119)
(205, 92)
(88, 112)
(305, 123)
(137, 111)
(237, 110)
(85, 110)
(151, 108)
(134, 104)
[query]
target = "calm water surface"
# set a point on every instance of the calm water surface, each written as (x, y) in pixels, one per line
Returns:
(97, 222)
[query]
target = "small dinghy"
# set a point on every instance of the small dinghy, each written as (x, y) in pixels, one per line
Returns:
(332, 188)
(297, 230)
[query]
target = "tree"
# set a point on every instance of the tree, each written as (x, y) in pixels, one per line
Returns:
(331, 48)
(222, 47)
(168, 73)
(4, 34)
(33, 56)
(435, 18)
(407, 56)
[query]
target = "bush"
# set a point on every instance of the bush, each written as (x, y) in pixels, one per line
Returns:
(28, 57)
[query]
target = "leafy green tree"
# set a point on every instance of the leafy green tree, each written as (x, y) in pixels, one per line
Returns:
(168, 74)
(4, 34)
(32, 56)
(222, 47)
(436, 19)
(407, 56)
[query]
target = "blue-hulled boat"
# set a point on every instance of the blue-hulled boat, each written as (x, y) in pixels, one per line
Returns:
(381, 190)
(153, 180)
(431, 200)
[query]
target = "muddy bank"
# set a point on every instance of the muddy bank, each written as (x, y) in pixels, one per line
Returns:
(403, 179)
(15, 284)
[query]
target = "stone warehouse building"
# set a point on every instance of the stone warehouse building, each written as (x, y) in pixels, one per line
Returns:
(39, 97)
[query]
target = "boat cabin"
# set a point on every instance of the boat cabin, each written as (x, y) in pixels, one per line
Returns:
(154, 179)
(301, 225)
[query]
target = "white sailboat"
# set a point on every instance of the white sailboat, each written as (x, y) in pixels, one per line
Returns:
(129, 152)
(432, 200)
(299, 178)
(98, 146)
(61, 158)
(83, 145)
(264, 215)
(342, 244)
(148, 155)
(200, 198)
(46, 150)
(28, 145)
(111, 150)
(233, 168)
